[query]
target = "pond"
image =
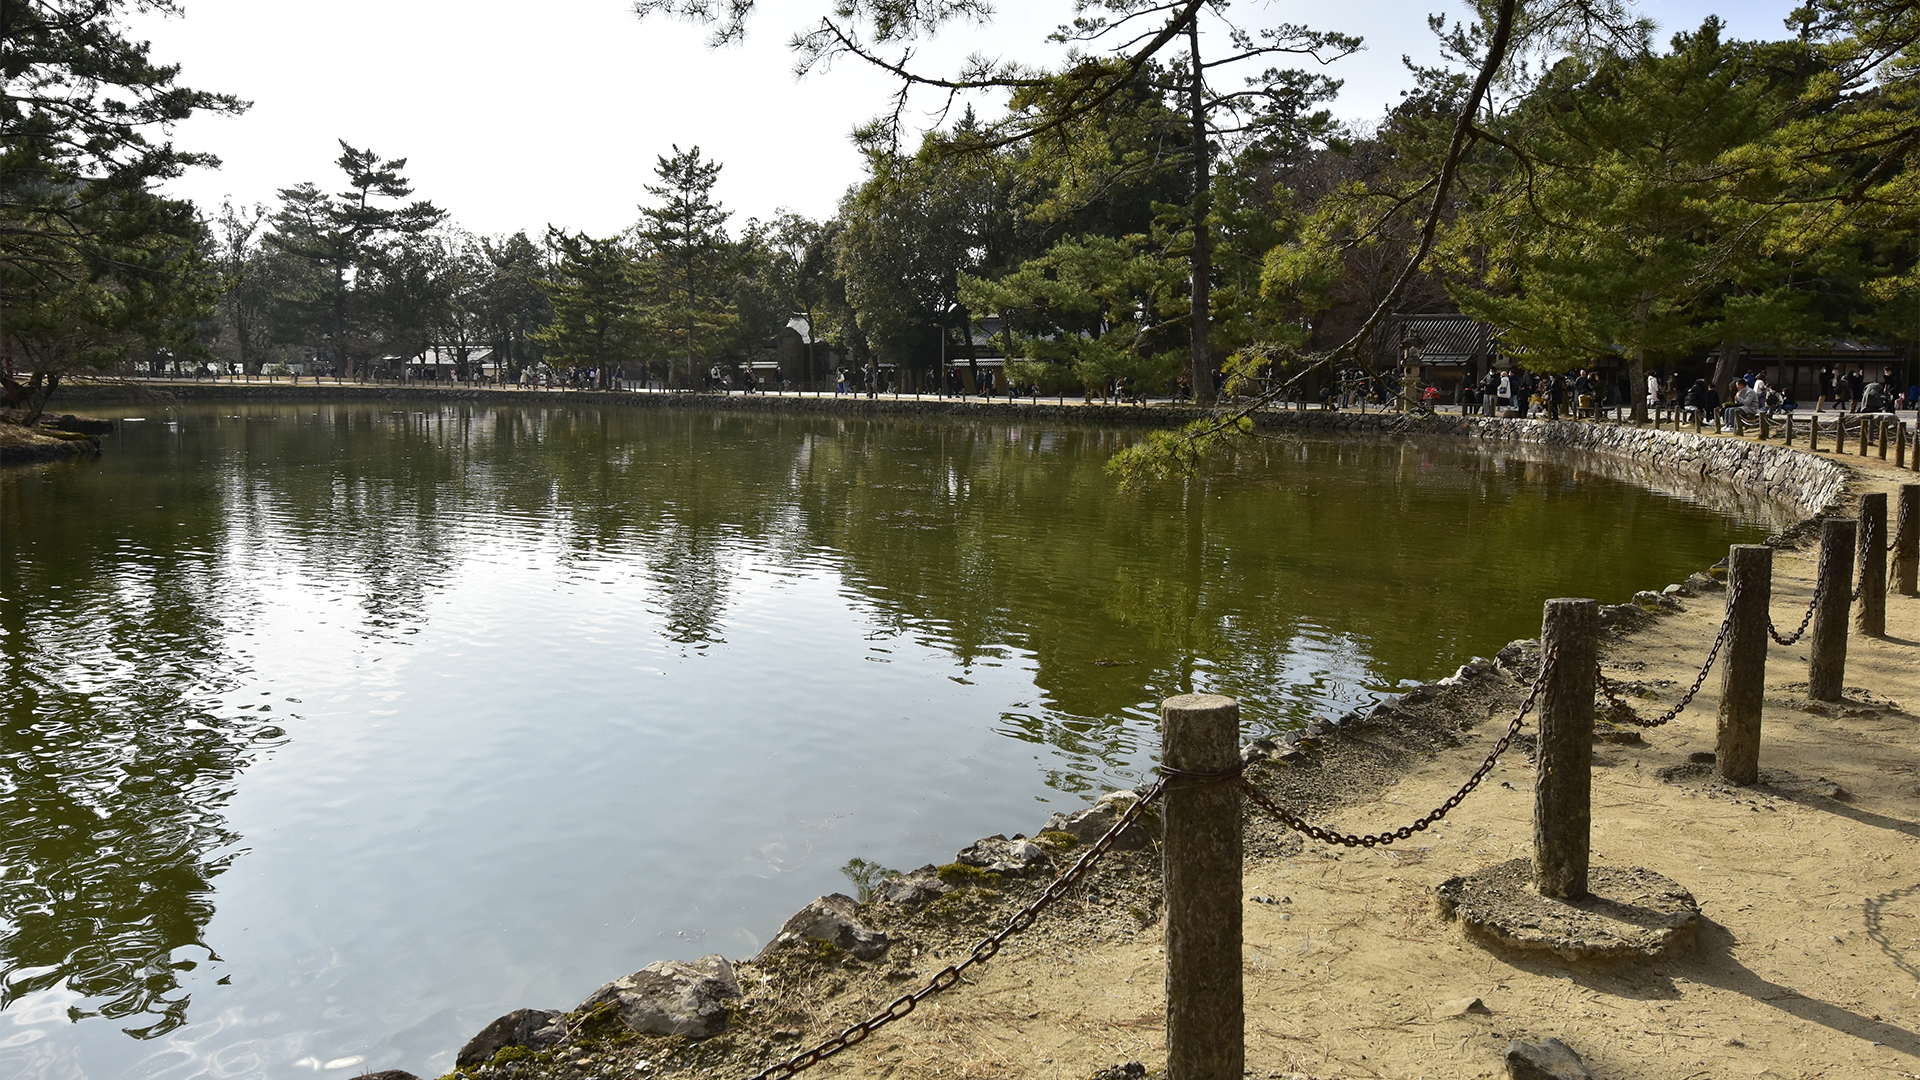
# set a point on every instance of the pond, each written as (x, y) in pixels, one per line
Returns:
(331, 732)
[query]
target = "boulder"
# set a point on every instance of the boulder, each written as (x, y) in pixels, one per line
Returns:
(910, 890)
(1010, 858)
(535, 1029)
(834, 920)
(1252, 754)
(673, 997)
(1548, 1060)
(1092, 823)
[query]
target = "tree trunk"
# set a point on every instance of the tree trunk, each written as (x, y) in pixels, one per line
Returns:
(1724, 364)
(39, 389)
(1200, 351)
(973, 356)
(1637, 377)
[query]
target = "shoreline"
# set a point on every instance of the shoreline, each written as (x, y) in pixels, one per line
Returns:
(806, 989)
(1351, 969)
(1812, 482)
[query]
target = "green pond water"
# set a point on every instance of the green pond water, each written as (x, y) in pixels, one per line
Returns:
(331, 732)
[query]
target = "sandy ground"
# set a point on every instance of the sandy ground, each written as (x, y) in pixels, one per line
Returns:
(1807, 963)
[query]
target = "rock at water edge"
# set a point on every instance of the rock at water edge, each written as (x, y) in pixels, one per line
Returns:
(1012, 858)
(832, 919)
(674, 997)
(535, 1029)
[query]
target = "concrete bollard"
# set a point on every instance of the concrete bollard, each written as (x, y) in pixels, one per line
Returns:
(1743, 667)
(1563, 775)
(1206, 1024)
(1870, 615)
(1906, 555)
(1827, 660)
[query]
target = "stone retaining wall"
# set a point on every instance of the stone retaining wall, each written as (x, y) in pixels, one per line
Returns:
(1808, 482)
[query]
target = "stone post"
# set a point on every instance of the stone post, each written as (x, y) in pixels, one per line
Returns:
(1563, 776)
(1827, 663)
(1870, 617)
(1906, 556)
(1206, 1028)
(1743, 667)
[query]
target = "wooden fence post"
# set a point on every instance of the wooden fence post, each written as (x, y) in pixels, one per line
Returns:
(1900, 444)
(1827, 663)
(1563, 775)
(1882, 432)
(1743, 669)
(1863, 436)
(1789, 429)
(1870, 617)
(1206, 1026)
(1906, 555)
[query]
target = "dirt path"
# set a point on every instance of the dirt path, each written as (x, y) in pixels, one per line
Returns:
(1808, 963)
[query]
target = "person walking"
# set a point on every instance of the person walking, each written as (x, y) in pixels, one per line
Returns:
(1856, 382)
(1826, 388)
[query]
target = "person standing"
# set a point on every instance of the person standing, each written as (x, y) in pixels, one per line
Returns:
(1653, 390)
(1826, 388)
(1856, 382)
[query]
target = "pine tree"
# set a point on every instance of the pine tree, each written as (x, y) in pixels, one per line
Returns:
(595, 294)
(354, 238)
(690, 261)
(1618, 230)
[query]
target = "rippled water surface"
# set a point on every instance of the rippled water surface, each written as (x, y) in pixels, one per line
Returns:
(332, 732)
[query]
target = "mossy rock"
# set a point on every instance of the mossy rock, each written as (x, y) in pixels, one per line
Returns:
(956, 873)
(1055, 840)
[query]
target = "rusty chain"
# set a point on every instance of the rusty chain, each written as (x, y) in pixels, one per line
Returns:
(948, 977)
(1624, 713)
(1819, 591)
(1867, 540)
(1327, 836)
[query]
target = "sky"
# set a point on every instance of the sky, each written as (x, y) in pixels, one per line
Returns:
(516, 116)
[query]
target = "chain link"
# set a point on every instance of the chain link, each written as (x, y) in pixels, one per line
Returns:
(1819, 591)
(948, 977)
(1867, 540)
(1327, 836)
(1624, 713)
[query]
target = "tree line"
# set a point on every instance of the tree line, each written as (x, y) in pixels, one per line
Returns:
(1169, 208)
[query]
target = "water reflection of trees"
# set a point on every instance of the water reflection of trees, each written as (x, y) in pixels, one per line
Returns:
(114, 765)
(1291, 568)
(1291, 576)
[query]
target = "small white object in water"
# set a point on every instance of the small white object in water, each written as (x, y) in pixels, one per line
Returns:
(345, 1062)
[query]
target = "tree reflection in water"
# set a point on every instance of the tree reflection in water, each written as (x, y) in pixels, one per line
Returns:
(1298, 575)
(113, 769)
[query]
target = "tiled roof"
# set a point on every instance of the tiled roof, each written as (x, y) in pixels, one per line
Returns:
(1445, 336)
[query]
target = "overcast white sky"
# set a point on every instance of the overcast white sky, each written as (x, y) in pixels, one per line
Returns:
(517, 115)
